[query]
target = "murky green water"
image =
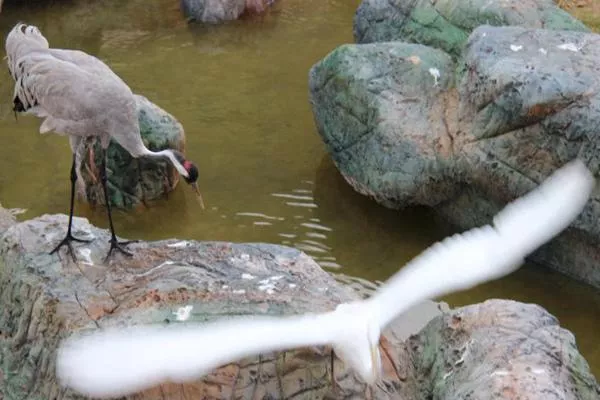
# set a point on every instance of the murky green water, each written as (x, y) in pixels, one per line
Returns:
(240, 90)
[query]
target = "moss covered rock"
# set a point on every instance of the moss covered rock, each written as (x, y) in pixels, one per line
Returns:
(500, 349)
(446, 24)
(133, 181)
(377, 108)
(404, 128)
(484, 351)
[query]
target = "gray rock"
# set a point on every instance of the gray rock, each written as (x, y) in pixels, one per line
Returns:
(526, 103)
(215, 11)
(377, 108)
(523, 114)
(500, 349)
(44, 298)
(134, 181)
(446, 24)
(7, 219)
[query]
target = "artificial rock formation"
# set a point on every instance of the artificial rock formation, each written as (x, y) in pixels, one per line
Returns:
(447, 24)
(485, 351)
(405, 125)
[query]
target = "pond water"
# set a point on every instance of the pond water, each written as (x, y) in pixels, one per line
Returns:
(241, 92)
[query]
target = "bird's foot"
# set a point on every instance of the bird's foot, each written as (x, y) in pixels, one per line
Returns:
(67, 241)
(116, 245)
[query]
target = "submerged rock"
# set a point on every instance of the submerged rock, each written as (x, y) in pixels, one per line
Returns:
(401, 131)
(214, 11)
(446, 24)
(133, 181)
(45, 298)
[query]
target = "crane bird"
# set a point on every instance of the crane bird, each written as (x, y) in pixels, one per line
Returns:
(79, 96)
(113, 362)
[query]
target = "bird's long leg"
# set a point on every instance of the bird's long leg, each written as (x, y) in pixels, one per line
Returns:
(333, 382)
(69, 237)
(114, 243)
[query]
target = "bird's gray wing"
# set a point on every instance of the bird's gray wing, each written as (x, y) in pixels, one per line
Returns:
(73, 100)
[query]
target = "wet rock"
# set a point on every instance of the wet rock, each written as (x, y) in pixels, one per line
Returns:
(405, 129)
(44, 298)
(377, 107)
(133, 181)
(528, 104)
(446, 24)
(214, 11)
(501, 349)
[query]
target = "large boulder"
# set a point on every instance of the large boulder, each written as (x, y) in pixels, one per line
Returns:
(44, 298)
(377, 108)
(500, 349)
(446, 24)
(529, 104)
(134, 181)
(401, 132)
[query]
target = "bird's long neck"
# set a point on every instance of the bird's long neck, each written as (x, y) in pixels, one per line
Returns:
(176, 159)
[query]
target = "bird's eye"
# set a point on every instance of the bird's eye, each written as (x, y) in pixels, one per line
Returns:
(23, 28)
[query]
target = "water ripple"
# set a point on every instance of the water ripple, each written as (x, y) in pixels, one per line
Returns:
(309, 237)
(292, 196)
(259, 215)
(316, 226)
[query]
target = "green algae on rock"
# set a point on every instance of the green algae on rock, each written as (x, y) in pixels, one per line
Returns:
(446, 24)
(133, 181)
(377, 108)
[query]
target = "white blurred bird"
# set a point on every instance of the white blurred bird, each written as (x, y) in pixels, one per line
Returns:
(113, 363)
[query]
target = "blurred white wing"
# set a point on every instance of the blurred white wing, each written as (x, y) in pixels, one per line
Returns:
(116, 363)
(486, 253)
(112, 363)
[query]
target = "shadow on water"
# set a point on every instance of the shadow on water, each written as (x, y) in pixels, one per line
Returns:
(371, 235)
(240, 90)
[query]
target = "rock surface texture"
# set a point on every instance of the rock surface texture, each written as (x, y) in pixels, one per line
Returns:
(43, 298)
(483, 350)
(134, 181)
(378, 108)
(446, 24)
(407, 126)
(501, 349)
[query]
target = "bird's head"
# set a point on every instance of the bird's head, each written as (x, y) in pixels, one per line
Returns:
(23, 38)
(189, 171)
(358, 342)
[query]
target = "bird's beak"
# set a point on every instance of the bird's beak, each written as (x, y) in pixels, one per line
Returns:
(198, 194)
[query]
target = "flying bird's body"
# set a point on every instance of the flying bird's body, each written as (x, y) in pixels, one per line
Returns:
(120, 362)
(78, 95)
